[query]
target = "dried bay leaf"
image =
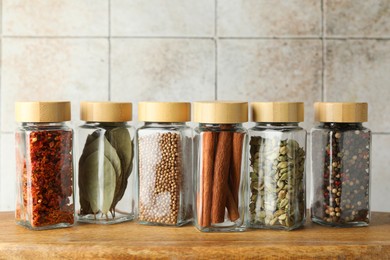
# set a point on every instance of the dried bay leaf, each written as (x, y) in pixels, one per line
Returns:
(89, 164)
(90, 178)
(120, 139)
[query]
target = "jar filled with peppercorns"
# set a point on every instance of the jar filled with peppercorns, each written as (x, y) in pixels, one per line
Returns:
(277, 151)
(220, 162)
(106, 192)
(44, 165)
(164, 163)
(340, 148)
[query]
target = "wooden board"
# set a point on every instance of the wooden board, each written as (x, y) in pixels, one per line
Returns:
(138, 241)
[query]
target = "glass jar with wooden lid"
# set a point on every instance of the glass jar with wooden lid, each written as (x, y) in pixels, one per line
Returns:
(106, 178)
(277, 152)
(164, 163)
(340, 157)
(220, 163)
(44, 165)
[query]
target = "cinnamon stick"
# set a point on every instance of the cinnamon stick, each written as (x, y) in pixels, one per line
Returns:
(209, 140)
(235, 167)
(223, 156)
(231, 206)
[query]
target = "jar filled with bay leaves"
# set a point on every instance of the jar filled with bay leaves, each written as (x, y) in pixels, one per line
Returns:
(105, 177)
(164, 163)
(277, 151)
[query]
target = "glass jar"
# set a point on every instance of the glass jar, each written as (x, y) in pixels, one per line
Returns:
(277, 151)
(106, 191)
(44, 165)
(164, 163)
(220, 165)
(340, 165)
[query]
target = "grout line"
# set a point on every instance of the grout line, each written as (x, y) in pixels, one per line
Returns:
(216, 18)
(164, 37)
(336, 37)
(109, 50)
(216, 70)
(53, 37)
(202, 37)
(216, 49)
(323, 44)
(270, 37)
(1, 76)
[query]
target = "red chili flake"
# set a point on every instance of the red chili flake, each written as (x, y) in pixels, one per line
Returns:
(47, 179)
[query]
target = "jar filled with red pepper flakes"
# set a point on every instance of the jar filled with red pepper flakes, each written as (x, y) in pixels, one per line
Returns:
(340, 147)
(44, 165)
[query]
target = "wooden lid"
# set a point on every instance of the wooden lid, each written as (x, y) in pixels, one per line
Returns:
(105, 111)
(341, 112)
(277, 112)
(220, 112)
(42, 112)
(164, 111)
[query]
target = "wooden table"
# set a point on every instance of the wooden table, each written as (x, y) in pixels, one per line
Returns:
(132, 240)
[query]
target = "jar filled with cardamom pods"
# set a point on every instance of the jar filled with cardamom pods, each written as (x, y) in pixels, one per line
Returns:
(340, 158)
(277, 151)
(220, 163)
(106, 180)
(164, 163)
(44, 165)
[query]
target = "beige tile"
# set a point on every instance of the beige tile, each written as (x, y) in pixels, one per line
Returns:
(162, 70)
(357, 18)
(358, 70)
(52, 69)
(271, 70)
(162, 18)
(250, 18)
(55, 18)
(380, 177)
(7, 172)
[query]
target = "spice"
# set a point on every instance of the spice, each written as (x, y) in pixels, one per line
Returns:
(44, 165)
(160, 176)
(341, 165)
(220, 177)
(220, 157)
(100, 194)
(343, 197)
(47, 178)
(165, 163)
(276, 182)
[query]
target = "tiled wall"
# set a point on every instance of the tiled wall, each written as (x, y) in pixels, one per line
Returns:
(298, 50)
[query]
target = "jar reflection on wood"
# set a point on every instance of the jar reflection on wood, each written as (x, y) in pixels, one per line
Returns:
(165, 163)
(106, 192)
(220, 152)
(44, 165)
(277, 166)
(341, 165)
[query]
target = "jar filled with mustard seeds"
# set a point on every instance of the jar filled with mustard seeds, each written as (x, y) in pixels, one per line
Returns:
(277, 152)
(340, 157)
(220, 163)
(44, 165)
(164, 163)
(106, 180)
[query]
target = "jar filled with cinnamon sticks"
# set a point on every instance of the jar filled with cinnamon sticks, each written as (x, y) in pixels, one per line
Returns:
(277, 166)
(164, 163)
(220, 152)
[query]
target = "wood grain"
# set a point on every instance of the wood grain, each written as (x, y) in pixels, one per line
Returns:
(129, 240)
